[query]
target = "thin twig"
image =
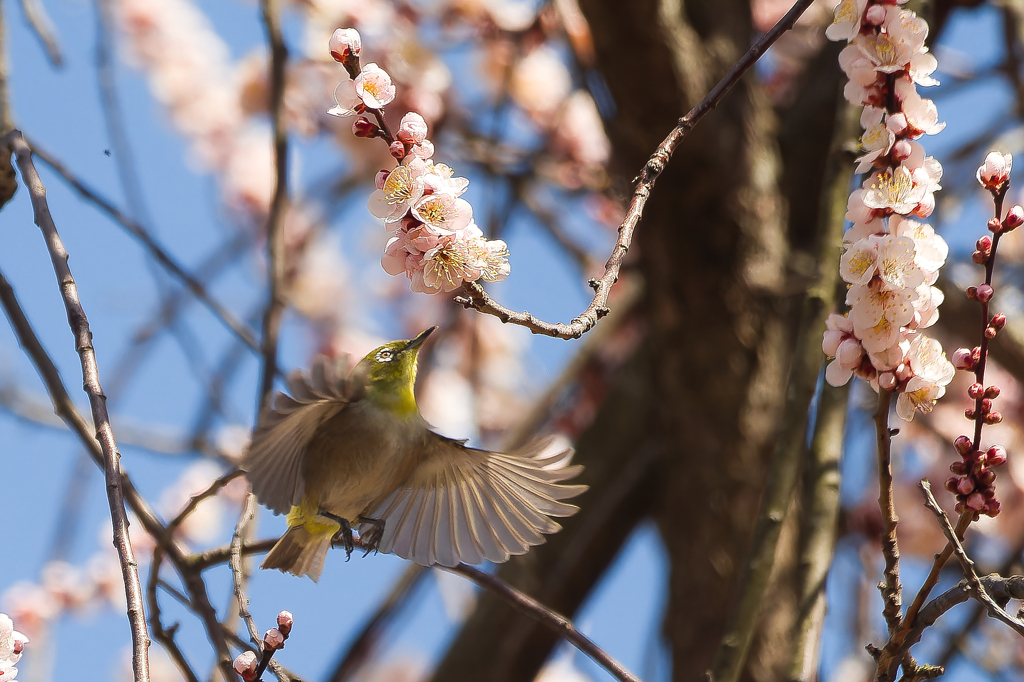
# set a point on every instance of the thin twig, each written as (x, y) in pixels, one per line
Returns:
(90, 377)
(892, 590)
(279, 204)
(977, 589)
(237, 573)
(6, 117)
(558, 623)
(155, 249)
(475, 297)
(41, 25)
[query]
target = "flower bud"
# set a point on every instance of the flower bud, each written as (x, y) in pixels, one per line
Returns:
(985, 478)
(962, 359)
(998, 321)
(992, 392)
(993, 417)
(985, 292)
(996, 455)
(951, 484)
(963, 445)
(412, 129)
(397, 149)
(362, 127)
(986, 405)
(875, 15)
(902, 149)
(984, 243)
(993, 508)
(1014, 218)
(976, 355)
(972, 293)
(274, 639)
(980, 257)
(965, 486)
(284, 622)
(969, 413)
(345, 42)
(380, 178)
(995, 171)
(245, 665)
(976, 391)
(975, 501)
(424, 150)
(958, 468)
(990, 332)
(887, 380)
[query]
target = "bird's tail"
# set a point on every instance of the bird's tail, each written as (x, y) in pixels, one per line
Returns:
(303, 548)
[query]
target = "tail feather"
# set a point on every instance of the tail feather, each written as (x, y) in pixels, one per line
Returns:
(300, 552)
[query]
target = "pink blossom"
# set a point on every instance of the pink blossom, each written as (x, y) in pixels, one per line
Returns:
(443, 214)
(273, 639)
(285, 620)
(245, 665)
(858, 263)
(893, 190)
(846, 22)
(374, 87)
(402, 188)
(877, 315)
(896, 267)
(412, 129)
(344, 43)
(996, 170)
(346, 99)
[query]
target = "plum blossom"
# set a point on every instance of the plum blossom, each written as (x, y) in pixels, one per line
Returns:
(996, 169)
(12, 644)
(374, 87)
(846, 24)
(345, 42)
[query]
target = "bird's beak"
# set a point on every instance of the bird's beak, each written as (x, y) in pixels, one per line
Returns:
(418, 341)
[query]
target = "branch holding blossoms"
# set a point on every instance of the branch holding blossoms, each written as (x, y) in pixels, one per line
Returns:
(90, 376)
(436, 243)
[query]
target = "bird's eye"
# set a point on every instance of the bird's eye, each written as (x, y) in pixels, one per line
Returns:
(385, 356)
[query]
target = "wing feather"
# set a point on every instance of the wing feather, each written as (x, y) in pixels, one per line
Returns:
(274, 460)
(466, 505)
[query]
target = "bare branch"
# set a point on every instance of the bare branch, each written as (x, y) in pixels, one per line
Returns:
(237, 574)
(560, 624)
(892, 590)
(41, 25)
(279, 205)
(475, 297)
(90, 376)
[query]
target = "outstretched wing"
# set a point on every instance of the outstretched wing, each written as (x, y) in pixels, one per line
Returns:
(273, 462)
(466, 505)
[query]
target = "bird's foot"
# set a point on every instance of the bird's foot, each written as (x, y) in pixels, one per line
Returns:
(371, 539)
(343, 536)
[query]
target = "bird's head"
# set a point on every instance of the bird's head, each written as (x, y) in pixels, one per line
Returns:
(390, 374)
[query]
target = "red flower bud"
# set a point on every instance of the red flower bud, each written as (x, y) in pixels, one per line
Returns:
(951, 484)
(992, 392)
(975, 501)
(958, 468)
(965, 486)
(984, 243)
(998, 321)
(362, 127)
(969, 413)
(986, 405)
(980, 257)
(962, 359)
(397, 150)
(985, 478)
(993, 417)
(972, 293)
(993, 508)
(994, 225)
(1014, 218)
(985, 292)
(976, 391)
(962, 445)
(996, 455)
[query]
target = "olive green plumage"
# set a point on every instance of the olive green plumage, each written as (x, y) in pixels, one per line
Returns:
(356, 448)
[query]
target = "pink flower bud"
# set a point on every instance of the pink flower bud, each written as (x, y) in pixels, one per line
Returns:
(965, 486)
(902, 150)
(986, 405)
(397, 149)
(993, 417)
(992, 392)
(998, 320)
(887, 380)
(969, 413)
(984, 243)
(985, 292)
(1014, 218)
(362, 127)
(976, 391)
(273, 639)
(245, 665)
(980, 257)
(975, 501)
(20, 641)
(994, 225)
(962, 359)
(951, 484)
(875, 15)
(996, 455)
(958, 468)
(412, 129)
(995, 171)
(284, 622)
(381, 178)
(344, 43)
(962, 445)
(990, 332)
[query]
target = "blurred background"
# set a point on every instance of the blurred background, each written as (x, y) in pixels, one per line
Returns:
(150, 117)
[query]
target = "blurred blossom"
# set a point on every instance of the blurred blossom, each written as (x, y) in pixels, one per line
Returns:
(580, 131)
(67, 584)
(30, 605)
(232, 439)
(458, 596)
(446, 401)
(206, 522)
(321, 290)
(249, 176)
(540, 82)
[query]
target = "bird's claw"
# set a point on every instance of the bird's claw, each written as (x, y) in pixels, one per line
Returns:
(370, 540)
(343, 536)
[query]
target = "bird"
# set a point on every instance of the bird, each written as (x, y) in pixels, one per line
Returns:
(344, 453)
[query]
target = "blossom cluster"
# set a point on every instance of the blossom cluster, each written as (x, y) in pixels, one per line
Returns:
(433, 238)
(12, 644)
(892, 260)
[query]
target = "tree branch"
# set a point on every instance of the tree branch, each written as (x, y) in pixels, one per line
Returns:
(475, 297)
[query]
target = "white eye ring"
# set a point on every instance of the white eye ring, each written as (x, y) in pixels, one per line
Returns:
(384, 356)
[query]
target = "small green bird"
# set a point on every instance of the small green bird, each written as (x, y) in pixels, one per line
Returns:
(343, 453)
